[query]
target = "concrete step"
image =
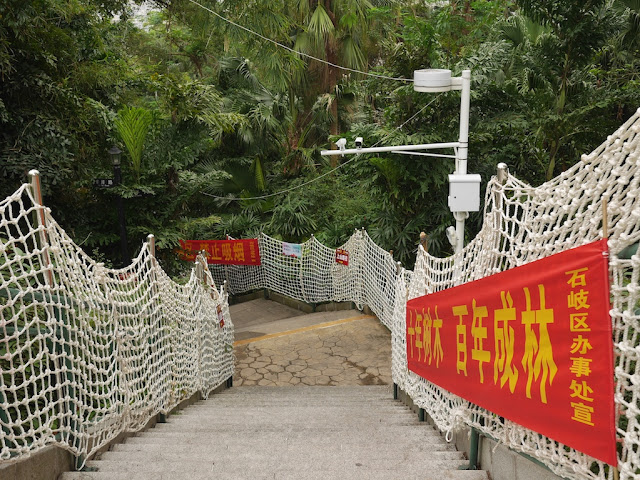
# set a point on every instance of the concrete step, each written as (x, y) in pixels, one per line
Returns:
(293, 456)
(286, 433)
(355, 473)
(304, 421)
(218, 466)
(345, 392)
(273, 436)
(335, 446)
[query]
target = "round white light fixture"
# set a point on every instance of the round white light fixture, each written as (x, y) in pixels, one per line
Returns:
(432, 80)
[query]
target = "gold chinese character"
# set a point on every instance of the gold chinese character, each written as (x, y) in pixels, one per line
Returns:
(461, 339)
(426, 335)
(581, 345)
(504, 341)
(582, 413)
(580, 366)
(438, 352)
(419, 334)
(538, 351)
(581, 390)
(411, 331)
(479, 334)
(577, 277)
(578, 300)
(578, 322)
(226, 252)
(238, 252)
(215, 252)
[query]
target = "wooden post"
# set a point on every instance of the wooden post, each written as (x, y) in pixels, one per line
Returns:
(152, 244)
(424, 241)
(41, 222)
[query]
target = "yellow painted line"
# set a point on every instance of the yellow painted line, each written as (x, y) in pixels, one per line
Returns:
(300, 330)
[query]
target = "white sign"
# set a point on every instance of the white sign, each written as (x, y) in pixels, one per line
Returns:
(292, 249)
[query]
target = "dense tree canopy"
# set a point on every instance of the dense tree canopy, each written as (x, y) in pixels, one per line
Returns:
(214, 120)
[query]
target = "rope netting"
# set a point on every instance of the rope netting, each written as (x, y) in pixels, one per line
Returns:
(521, 224)
(88, 352)
(315, 277)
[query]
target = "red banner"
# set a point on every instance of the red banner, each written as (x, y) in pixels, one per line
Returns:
(342, 256)
(532, 344)
(223, 252)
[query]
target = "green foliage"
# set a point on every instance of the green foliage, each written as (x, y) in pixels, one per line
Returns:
(133, 125)
(221, 112)
(291, 220)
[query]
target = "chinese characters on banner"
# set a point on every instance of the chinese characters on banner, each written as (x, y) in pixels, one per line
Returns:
(532, 344)
(342, 256)
(222, 252)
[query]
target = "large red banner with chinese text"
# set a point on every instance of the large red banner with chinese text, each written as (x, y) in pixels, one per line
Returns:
(532, 344)
(223, 252)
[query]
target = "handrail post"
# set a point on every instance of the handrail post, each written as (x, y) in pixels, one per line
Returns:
(41, 222)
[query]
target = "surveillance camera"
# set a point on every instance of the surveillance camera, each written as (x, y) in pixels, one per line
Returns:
(359, 142)
(342, 143)
(452, 236)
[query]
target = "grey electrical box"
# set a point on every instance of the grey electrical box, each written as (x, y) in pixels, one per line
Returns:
(464, 193)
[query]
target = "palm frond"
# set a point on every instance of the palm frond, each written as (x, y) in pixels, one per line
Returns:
(132, 124)
(320, 25)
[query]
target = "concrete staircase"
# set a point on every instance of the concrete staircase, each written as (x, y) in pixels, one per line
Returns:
(286, 433)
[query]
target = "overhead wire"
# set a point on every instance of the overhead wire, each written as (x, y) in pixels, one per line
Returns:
(306, 55)
(302, 54)
(356, 156)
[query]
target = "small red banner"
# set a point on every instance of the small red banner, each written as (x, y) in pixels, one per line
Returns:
(342, 256)
(532, 344)
(222, 252)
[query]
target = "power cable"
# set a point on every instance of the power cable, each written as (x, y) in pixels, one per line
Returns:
(302, 54)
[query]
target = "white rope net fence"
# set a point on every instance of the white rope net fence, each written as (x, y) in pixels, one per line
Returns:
(87, 352)
(521, 224)
(315, 276)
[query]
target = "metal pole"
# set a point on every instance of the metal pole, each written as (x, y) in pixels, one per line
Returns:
(399, 148)
(124, 250)
(462, 152)
(465, 99)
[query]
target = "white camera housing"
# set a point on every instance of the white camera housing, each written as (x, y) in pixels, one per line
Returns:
(452, 236)
(342, 143)
(359, 142)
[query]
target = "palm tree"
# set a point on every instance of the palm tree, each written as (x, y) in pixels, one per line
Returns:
(335, 31)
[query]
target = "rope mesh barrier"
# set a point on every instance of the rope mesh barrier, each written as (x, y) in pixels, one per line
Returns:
(88, 352)
(521, 224)
(316, 277)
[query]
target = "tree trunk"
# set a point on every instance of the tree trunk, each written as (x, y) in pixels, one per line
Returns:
(331, 76)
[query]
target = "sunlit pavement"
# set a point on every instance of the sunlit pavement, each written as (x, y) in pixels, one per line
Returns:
(329, 348)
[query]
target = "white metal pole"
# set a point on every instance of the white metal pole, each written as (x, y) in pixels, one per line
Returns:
(465, 99)
(462, 152)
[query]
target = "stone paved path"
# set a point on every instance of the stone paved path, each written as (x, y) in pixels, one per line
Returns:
(352, 351)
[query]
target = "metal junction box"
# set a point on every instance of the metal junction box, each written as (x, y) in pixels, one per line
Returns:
(464, 193)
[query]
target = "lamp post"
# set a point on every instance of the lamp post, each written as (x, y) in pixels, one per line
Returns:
(114, 153)
(464, 188)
